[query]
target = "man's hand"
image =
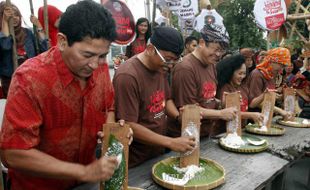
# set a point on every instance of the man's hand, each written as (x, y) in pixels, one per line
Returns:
(228, 113)
(287, 115)
(130, 134)
(258, 118)
(100, 134)
(100, 170)
(182, 144)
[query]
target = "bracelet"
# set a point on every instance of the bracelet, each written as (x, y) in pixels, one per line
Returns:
(40, 30)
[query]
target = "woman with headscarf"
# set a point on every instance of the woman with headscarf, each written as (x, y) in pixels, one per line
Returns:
(53, 21)
(25, 42)
(264, 78)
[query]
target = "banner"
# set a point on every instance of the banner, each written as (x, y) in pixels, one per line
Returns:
(174, 5)
(125, 24)
(209, 17)
(270, 14)
(189, 9)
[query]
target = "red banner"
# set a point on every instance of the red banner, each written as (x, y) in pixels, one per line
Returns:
(125, 24)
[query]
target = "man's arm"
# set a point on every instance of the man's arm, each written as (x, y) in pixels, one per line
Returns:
(143, 134)
(171, 109)
(35, 162)
(225, 114)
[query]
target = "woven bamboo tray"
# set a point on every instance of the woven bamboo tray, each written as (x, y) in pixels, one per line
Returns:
(297, 119)
(272, 131)
(134, 188)
(247, 148)
(211, 177)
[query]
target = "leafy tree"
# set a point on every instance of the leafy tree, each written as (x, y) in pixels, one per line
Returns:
(240, 24)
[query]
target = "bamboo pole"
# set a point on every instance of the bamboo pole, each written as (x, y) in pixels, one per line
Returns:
(34, 29)
(46, 22)
(147, 8)
(12, 32)
(300, 35)
(154, 14)
(298, 16)
(294, 24)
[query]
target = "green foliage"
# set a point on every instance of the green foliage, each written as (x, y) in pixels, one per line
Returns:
(240, 24)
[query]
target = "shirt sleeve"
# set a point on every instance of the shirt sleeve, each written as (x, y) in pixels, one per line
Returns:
(184, 87)
(6, 42)
(126, 98)
(256, 85)
(22, 118)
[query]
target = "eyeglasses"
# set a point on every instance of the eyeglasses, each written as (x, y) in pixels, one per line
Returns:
(220, 51)
(178, 60)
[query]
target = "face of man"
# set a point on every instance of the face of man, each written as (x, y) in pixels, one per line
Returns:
(82, 58)
(191, 46)
(166, 58)
(211, 52)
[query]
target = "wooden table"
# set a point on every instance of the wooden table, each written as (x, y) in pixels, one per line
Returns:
(291, 145)
(243, 171)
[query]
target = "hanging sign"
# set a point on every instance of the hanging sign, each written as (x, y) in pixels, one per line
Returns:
(125, 24)
(188, 10)
(270, 14)
(174, 5)
(209, 17)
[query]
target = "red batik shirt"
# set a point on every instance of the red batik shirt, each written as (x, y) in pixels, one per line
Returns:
(47, 110)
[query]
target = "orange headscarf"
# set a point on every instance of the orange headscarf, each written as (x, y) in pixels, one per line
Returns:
(277, 55)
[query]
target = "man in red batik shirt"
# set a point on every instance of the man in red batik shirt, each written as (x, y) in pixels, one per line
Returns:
(58, 102)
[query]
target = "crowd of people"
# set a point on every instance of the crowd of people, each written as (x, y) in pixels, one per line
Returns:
(59, 99)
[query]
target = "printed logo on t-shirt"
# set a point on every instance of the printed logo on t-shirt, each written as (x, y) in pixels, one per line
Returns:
(157, 103)
(208, 90)
(244, 104)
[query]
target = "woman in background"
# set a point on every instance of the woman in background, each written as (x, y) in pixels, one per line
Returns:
(231, 74)
(53, 22)
(25, 42)
(143, 33)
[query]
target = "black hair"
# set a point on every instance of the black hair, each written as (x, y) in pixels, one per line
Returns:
(189, 39)
(226, 68)
(149, 30)
(87, 19)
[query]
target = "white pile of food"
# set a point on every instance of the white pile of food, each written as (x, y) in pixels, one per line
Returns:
(305, 121)
(262, 128)
(233, 140)
(189, 173)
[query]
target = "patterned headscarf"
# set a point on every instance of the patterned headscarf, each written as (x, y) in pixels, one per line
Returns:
(277, 55)
(215, 33)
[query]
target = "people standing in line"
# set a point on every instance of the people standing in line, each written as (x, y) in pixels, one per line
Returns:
(25, 42)
(57, 104)
(142, 97)
(231, 73)
(194, 81)
(264, 77)
(54, 15)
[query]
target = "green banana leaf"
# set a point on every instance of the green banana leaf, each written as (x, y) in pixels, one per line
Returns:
(117, 180)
